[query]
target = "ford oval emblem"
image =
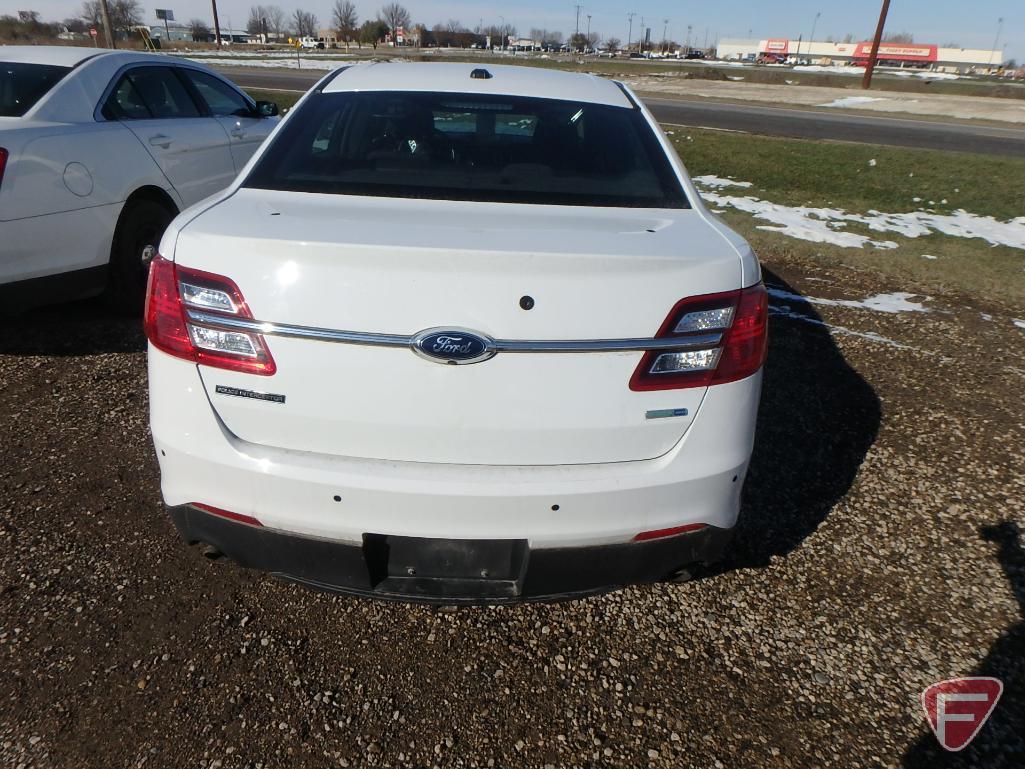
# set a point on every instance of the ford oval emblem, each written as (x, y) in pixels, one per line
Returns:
(455, 346)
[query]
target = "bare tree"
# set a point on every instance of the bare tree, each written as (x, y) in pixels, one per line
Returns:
(199, 30)
(612, 44)
(394, 15)
(254, 26)
(899, 37)
(124, 14)
(305, 23)
(345, 19)
(266, 19)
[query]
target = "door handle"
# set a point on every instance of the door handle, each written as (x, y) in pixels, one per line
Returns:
(238, 131)
(160, 141)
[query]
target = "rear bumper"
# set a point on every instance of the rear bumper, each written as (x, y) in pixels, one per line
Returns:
(339, 499)
(449, 571)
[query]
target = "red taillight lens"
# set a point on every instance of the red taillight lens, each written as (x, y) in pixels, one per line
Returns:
(3, 163)
(747, 340)
(173, 291)
(239, 517)
(735, 326)
(645, 536)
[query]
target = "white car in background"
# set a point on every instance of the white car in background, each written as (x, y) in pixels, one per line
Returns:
(457, 334)
(99, 150)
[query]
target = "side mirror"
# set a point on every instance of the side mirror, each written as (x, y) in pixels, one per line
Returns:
(267, 108)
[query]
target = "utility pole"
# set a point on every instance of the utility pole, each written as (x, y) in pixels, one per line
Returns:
(108, 29)
(217, 24)
(577, 30)
(665, 27)
(866, 82)
(588, 28)
(629, 34)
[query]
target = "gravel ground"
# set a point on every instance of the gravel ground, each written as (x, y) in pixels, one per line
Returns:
(879, 552)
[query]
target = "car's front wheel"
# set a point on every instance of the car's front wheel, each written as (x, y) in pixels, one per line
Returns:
(138, 234)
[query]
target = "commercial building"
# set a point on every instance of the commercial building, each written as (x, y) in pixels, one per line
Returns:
(913, 55)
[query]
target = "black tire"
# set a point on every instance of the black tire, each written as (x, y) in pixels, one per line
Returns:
(139, 229)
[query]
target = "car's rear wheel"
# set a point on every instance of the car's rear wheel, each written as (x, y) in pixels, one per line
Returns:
(138, 234)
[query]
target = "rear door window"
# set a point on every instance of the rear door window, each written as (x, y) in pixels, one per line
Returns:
(149, 92)
(22, 85)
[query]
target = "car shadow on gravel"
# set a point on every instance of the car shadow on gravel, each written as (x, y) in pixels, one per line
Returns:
(818, 419)
(1000, 743)
(79, 328)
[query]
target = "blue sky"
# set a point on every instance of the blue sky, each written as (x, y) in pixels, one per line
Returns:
(971, 24)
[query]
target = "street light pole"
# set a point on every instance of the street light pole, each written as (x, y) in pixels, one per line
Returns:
(629, 34)
(1000, 27)
(866, 81)
(665, 26)
(813, 25)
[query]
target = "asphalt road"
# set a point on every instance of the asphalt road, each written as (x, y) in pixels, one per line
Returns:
(772, 121)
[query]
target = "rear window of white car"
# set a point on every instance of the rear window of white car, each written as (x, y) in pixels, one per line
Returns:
(470, 147)
(22, 85)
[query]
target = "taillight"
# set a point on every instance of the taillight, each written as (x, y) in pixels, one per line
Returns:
(723, 338)
(3, 163)
(173, 291)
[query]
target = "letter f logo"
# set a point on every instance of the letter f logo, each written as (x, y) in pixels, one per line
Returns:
(958, 708)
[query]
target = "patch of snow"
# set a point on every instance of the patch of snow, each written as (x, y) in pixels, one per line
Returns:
(734, 77)
(898, 301)
(872, 162)
(916, 200)
(826, 225)
(851, 101)
(929, 256)
(717, 182)
(313, 62)
(1018, 323)
(986, 316)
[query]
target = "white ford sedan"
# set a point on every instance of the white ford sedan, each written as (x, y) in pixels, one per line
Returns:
(99, 150)
(457, 334)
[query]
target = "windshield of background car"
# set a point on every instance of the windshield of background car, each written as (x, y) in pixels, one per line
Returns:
(448, 146)
(22, 85)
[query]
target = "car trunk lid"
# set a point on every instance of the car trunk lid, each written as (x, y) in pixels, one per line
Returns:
(399, 267)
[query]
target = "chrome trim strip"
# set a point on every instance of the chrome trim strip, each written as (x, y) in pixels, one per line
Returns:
(694, 342)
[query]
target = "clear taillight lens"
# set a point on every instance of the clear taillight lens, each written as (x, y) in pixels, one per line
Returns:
(735, 325)
(173, 291)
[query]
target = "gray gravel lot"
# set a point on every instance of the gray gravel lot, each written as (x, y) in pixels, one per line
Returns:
(880, 551)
